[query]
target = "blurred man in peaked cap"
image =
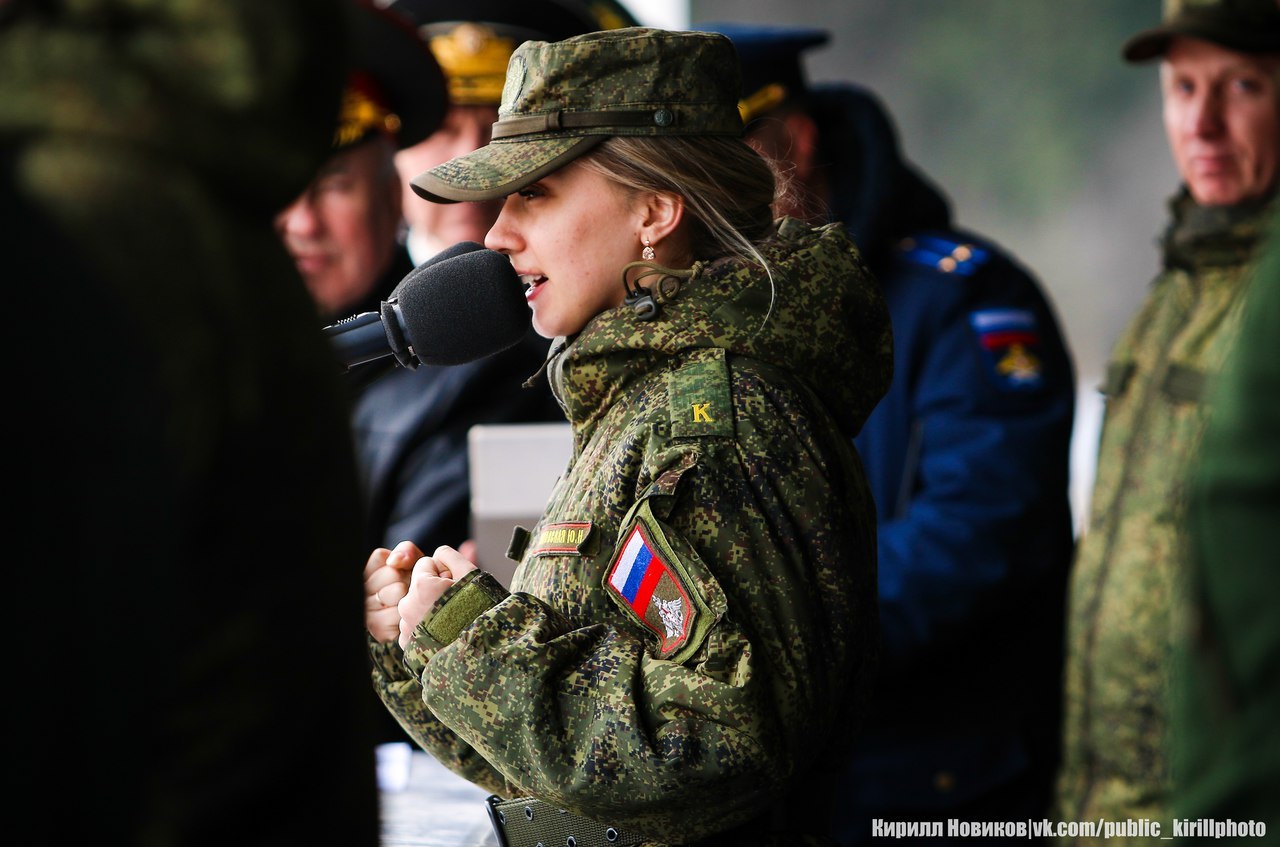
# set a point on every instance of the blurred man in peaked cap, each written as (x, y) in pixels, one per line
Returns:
(342, 230)
(967, 455)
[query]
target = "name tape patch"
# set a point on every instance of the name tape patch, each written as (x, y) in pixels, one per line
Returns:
(561, 539)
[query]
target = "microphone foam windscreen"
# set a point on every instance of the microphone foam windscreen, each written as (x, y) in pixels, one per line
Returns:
(444, 255)
(463, 308)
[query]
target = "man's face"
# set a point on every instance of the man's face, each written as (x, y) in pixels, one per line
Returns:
(1222, 117)
(465, 128)
(341, 232)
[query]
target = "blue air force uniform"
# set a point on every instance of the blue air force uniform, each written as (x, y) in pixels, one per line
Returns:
(967, 456)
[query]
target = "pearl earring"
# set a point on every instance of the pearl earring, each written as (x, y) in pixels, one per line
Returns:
(647, 253)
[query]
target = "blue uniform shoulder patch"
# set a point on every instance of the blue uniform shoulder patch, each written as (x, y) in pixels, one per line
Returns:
(946, 255)
(1010, 341)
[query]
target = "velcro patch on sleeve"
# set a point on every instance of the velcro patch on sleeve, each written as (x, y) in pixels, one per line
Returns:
(698, 393)
(647, 579)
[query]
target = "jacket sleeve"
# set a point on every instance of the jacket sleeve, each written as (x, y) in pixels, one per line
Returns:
(585, 714)
(401, 692)
(974, 513)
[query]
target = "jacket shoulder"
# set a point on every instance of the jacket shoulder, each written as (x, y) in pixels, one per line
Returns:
(947, 254)
(957, 267)
(698, 396)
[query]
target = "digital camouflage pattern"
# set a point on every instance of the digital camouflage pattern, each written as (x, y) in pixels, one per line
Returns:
(557, 691)
(561, 98)
(1125, 609)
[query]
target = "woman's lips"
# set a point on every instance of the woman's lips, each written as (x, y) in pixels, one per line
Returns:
(535, 283)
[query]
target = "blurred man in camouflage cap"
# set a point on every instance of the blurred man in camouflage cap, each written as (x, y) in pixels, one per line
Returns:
(472, 40)
(1220, 82)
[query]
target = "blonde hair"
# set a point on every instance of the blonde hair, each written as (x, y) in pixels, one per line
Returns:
(728, 188)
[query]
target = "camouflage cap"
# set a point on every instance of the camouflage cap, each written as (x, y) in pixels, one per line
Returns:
(562, 98)
(1249, 26)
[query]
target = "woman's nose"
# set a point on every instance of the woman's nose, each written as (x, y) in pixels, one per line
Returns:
(502, 236)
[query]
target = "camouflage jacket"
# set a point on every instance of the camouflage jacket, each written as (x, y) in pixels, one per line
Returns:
(693, 619)
(1124, 608)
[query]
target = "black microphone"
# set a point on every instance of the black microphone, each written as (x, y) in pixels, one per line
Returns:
(463, 304)
(362, 338)
(447, 253)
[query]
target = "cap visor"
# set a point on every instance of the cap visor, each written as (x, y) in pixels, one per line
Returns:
(1147, 45)
(1154, 43)
(499, 168)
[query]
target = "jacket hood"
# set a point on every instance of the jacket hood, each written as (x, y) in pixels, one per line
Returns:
(820, 318)
(876, 193)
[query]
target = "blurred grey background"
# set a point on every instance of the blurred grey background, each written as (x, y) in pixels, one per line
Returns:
(1025, 114)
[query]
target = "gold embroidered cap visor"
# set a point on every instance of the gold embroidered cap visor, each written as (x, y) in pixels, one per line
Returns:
(562, 98)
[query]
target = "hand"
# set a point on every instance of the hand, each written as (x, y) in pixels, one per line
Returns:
(469, 550)
(432, 575)
(386, 582)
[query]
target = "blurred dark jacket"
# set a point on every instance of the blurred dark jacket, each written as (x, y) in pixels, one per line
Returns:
(186, 616)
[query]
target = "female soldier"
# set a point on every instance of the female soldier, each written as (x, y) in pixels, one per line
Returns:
(693, 617)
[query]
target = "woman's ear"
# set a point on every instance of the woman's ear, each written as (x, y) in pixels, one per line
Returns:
(660, 215)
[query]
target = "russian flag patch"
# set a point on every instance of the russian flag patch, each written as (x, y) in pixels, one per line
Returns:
(651, 588)
(1010, 340)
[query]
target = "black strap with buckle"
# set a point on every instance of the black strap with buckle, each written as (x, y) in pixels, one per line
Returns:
(515, 125)
(526, 822)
